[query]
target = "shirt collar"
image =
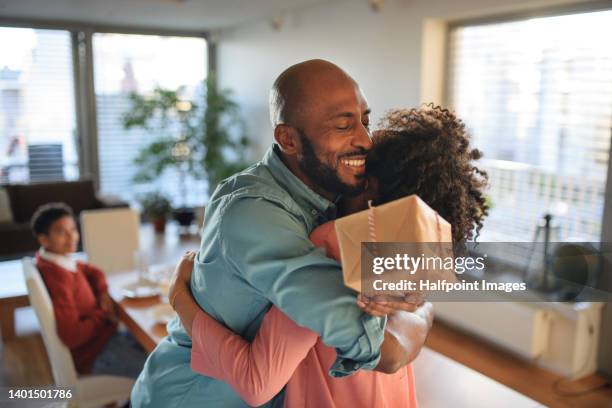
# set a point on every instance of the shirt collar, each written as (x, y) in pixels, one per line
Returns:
(63, 261)
(300, 192)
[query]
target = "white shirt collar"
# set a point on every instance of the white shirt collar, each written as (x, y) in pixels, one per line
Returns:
(63, 261)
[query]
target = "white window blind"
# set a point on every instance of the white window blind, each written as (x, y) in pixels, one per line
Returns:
(125, 63)
(37, 110)
(537, 97)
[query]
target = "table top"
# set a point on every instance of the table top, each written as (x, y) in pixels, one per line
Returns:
(137, 314)
(13, 284)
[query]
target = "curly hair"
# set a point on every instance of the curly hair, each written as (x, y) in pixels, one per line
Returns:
(426, 151)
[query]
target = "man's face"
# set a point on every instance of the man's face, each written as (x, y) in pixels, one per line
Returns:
(335, 140)
(63, 236)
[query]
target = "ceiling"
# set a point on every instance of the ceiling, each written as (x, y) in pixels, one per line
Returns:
(195, 15)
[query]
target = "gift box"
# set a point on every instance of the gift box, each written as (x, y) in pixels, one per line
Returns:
(406, 220)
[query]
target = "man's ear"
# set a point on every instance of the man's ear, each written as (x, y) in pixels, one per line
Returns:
(287, 138)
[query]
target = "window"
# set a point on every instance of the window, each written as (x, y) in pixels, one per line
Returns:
(37, 112)
(537, 97)
(125, 63)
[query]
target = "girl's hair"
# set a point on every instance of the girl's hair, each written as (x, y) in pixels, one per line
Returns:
(426, 151)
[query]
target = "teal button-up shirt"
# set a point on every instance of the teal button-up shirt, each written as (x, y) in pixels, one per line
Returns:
(255, 253)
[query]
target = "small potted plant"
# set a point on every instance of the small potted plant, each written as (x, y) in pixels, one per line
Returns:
(156, 207)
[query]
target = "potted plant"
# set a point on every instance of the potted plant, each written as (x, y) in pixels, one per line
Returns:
(202, 138)
(156, 208)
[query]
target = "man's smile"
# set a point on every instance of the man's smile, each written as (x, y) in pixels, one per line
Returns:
(356, 164)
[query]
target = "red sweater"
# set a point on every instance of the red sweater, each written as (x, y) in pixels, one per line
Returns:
(81, 323)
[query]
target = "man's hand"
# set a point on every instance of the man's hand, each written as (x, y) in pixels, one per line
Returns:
(108, 306)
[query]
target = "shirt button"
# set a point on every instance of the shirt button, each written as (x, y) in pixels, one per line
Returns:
(314, 212)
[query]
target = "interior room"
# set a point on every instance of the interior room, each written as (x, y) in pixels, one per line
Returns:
(121, 119)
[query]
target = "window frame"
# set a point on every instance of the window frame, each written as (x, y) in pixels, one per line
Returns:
(551, 11)
(604, 358)
(81, 34)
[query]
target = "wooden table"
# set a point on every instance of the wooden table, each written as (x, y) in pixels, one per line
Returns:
(137, 314)
(13, 295)
(161, 249)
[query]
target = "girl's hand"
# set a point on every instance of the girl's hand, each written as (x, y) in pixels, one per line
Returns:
(181, 277)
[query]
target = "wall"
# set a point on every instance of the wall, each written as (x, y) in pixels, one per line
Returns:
(382, 51)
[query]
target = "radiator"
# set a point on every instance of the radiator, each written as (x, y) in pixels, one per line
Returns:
(522, 328)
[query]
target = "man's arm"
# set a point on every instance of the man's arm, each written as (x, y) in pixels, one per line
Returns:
(256, 370)
(269, 248)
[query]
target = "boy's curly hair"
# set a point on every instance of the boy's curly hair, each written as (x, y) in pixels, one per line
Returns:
(426, 151)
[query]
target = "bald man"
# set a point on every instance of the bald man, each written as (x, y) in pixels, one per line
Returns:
(255, 250)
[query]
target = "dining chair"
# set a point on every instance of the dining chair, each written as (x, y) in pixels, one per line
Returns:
(111, 237)
(90, 390)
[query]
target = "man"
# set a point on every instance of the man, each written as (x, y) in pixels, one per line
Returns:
(255, 249)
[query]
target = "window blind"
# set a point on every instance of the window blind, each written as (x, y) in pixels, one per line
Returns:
(37, 109)
(125, 63)
(537, 97)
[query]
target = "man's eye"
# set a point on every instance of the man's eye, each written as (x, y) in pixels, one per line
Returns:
(342, 127)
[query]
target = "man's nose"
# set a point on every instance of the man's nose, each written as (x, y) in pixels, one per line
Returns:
(363, 138)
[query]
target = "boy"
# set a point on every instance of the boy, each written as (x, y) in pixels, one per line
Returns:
(84, 311)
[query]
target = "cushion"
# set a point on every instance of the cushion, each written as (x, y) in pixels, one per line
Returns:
(6, 214)
(25, 199)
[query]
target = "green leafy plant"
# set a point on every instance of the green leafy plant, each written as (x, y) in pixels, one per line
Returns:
(204, 138)
(155, 205)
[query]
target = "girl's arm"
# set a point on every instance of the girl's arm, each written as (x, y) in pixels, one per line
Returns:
(256, 370)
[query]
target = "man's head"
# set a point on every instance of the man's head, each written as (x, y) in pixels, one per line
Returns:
(54, 227)
(321, 123)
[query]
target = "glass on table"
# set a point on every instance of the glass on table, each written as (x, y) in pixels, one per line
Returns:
(161, 274)
(141, 264)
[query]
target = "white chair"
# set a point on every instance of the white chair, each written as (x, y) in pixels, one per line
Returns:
(110, 238)
(91, 390)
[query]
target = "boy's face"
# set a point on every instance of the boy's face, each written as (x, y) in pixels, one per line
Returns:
(63, 236)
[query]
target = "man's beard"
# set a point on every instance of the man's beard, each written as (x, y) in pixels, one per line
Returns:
(323, 175)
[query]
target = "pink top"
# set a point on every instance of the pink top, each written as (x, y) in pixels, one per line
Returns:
(284, 353)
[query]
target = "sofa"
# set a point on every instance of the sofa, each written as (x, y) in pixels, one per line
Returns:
(16, 237)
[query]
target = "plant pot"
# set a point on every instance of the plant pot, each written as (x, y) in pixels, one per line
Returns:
(159, 225)
(184, 216)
